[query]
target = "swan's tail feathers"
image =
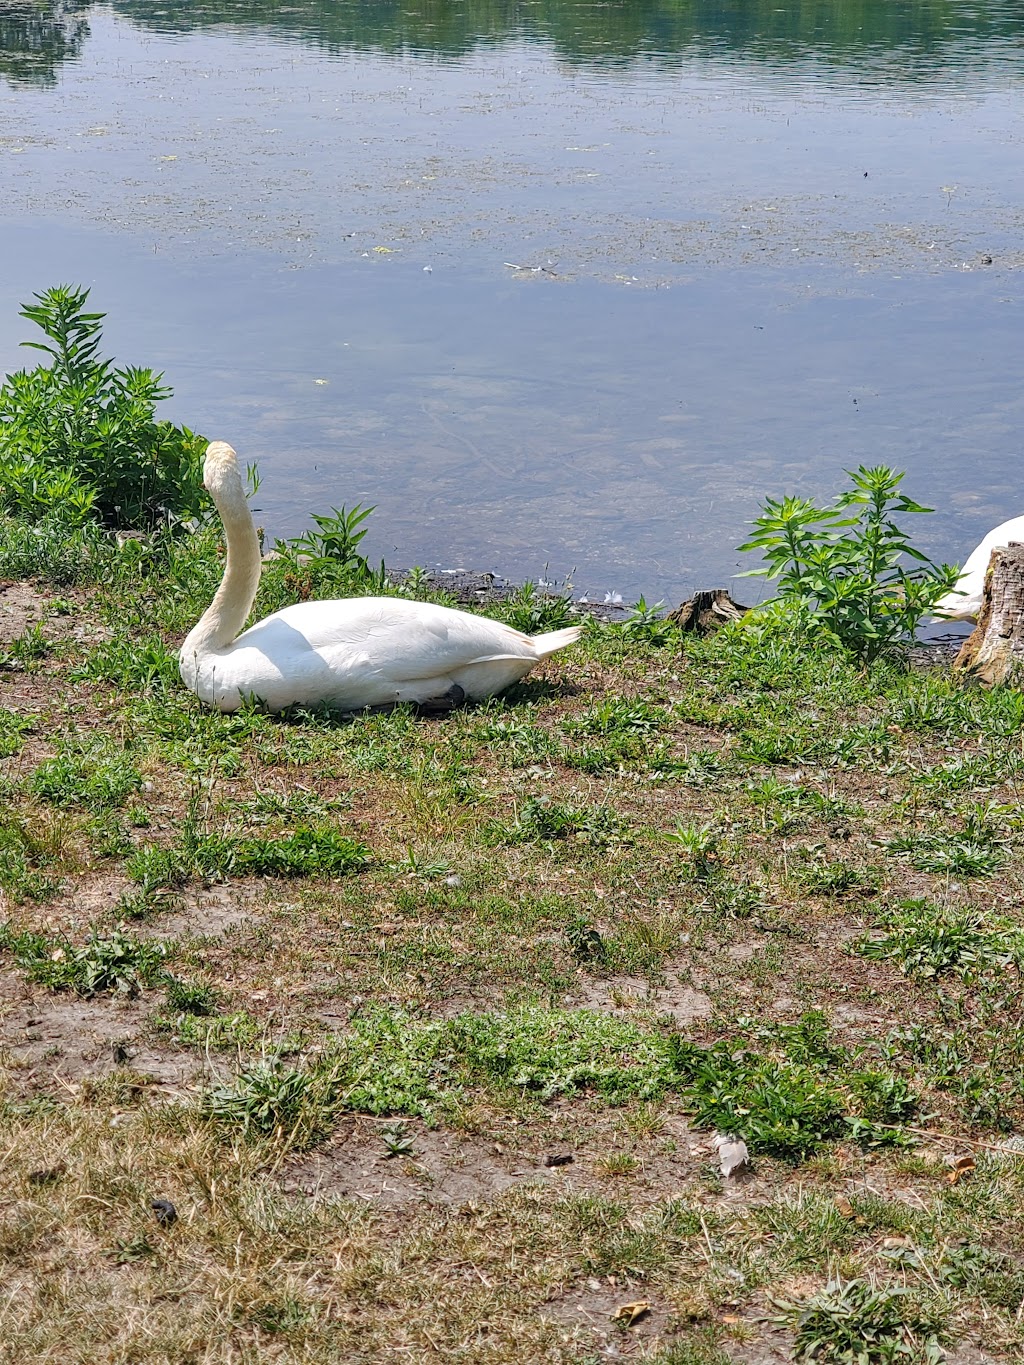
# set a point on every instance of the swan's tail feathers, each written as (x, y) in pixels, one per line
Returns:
(556, 639)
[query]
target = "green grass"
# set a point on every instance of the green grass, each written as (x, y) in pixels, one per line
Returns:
(13, 729)
(33, 855)
(541, 820)
(211, 1032)
(305, 853)
(53, 551)
(822, 876)
(27, 651)
(96, 776)
(789, 1100)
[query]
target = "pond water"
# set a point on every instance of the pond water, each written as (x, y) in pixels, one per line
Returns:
(561, 288)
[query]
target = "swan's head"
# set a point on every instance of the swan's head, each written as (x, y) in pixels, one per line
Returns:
(220, 468)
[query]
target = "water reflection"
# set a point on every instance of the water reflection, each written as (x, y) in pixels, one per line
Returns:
(858, 42)
(36, 39)
(925, 34)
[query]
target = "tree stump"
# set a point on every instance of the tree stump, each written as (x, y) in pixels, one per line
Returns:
(994, 653)
(706, 612)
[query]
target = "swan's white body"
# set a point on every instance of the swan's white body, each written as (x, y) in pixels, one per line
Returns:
(964, 602)
(349, 653)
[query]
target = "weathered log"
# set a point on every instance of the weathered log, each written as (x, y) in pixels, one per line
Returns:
(994, 652)
(707, 611)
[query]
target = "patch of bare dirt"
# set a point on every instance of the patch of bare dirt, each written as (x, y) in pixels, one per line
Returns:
(682, 1003)
(612, 1315)
(969, 1355)
(50, 1041)
(614, 994)
(444, 1168)
(567, 1149)
(743, 952)
(83, 901)
(30, 689)
(21, 606)
(209, 912)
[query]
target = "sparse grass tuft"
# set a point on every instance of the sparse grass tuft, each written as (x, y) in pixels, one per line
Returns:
(13, 729)
(212, 1032)
(110, 964)
(288, 1105)
(534, 610)
(928, 940)
(191, 997)
(27, 651)
(542, 820)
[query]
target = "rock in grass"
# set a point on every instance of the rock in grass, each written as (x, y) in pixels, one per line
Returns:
(164, 1212)
(47, 1175)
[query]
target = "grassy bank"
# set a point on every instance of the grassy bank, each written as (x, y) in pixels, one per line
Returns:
(424, 1025)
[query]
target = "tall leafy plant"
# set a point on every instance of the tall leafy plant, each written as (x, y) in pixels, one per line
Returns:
(334, 546)
(79, 437)
(327, 560)
(850, 569)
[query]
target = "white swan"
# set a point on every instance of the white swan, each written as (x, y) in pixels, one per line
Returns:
(348, 653)
(964, 602)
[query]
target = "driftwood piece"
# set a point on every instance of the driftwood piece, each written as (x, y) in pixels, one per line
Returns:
(994, 653)
(707, 611)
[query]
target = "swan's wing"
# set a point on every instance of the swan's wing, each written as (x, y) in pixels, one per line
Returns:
(977, 560)
(964, 603)
(401, 639)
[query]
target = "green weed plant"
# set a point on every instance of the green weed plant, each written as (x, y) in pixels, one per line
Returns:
(927, 940)
(79, 437)
(845, 568)
(855, 1322)
(327, 560)
(114, 963)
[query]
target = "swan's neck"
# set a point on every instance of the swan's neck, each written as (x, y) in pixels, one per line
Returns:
(226, 614)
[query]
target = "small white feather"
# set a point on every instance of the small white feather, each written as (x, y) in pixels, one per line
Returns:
(732, 1153)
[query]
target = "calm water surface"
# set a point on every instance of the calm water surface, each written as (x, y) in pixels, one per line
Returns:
(558, 287)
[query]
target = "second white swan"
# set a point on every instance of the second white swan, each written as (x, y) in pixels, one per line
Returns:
(964, 602)
(348, 653)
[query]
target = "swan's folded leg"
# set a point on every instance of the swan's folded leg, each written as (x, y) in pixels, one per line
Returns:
(455, 696)
(443, 693)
